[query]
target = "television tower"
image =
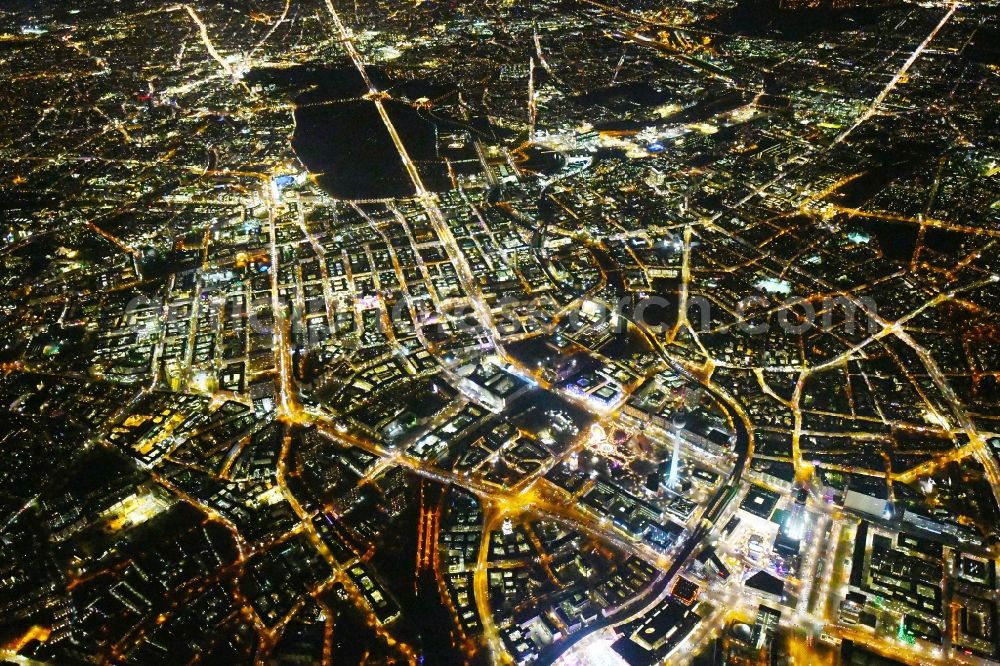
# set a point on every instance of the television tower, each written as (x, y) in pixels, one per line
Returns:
(672, 476)
(679, 421)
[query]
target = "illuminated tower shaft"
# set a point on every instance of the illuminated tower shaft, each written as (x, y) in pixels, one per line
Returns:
(674, 463)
